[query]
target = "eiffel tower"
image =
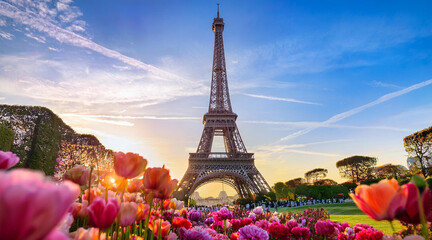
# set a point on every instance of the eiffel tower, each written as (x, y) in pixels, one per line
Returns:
(235, 166)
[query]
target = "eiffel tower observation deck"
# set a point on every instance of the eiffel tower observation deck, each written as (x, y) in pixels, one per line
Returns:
(235, 166)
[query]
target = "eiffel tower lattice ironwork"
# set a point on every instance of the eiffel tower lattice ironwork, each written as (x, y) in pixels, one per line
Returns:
(235, 166)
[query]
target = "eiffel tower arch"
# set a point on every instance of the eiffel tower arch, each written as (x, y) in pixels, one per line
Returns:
(235, 166)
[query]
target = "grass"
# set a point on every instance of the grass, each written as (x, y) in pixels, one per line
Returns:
(350, 213)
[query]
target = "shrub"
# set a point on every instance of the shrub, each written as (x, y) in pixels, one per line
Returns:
(6, 138)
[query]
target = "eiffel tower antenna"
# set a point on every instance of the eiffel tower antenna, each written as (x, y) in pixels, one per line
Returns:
(218, 10)
(234, 167)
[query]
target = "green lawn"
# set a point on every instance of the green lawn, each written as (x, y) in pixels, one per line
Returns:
(350, 213)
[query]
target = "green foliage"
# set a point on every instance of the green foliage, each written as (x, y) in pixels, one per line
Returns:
(6, 138)
(192, 202)
(315, 174)
(419, 146)
(282, 191)
(45, 146)
(371, 181)
(321, 192)
(293, 183)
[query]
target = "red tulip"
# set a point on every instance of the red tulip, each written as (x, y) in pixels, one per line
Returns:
(8, 160)
(179, 222)
(129, 165)
(30, 205)
(411, 212)
(102, 214)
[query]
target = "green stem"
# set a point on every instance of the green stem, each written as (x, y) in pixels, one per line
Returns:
(118, 217)
(140, 229)
(160, 222)
(225, 226)
(148, 216)
(100, 232)
(425, 231)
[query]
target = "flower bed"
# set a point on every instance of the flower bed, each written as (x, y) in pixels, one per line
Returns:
(118, 205)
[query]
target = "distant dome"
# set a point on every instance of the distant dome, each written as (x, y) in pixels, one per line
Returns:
(410, 160)
(195, 196)
(223, 195)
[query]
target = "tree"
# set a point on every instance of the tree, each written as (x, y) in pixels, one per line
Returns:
(391, 171)
(293, 183)
(282, 191)
(357, 168)
(6, 138)
(325, 182)
(419, 146)
(315, 174)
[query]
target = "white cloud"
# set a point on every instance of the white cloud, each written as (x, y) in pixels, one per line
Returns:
(130, 117)
(2, 22)
(121, 67)
(39, 39)
(6, 35)
(62, 35)
(279, 99)
(341, 116)
(54, 49)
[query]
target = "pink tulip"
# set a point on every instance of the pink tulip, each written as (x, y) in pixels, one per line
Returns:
(79, 175)
(79, 210)
(8, 160)
(102, 214)
(129, 165)
(411, 212)
(30, 205)
(128, 212)
(155, 178)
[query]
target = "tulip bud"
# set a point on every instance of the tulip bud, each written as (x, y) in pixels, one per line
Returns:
(419, 182)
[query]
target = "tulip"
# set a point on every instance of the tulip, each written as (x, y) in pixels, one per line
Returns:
(142, 212)
(134, 185)
(30, 205)
(181, 222)
(224, 214)
(164, 227)
(165, 191)
(87, 234)
(8, 160)
(79, 210)
(411, 213)
(129, 165)
(380, 201)
(195, 216)
(278, 231)
(252, 232)
(194, 233)
(155, 178)
(79, 175)
(128, 212)
(324, 228)
(101, 213)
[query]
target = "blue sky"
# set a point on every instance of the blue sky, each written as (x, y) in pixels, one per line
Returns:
(312, 82)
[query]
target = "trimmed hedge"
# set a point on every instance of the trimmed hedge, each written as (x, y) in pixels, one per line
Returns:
(6, 138)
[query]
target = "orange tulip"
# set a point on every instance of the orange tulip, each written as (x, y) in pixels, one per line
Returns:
(155, 178)
(166, 190)
(134, 185)
(380, 201)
